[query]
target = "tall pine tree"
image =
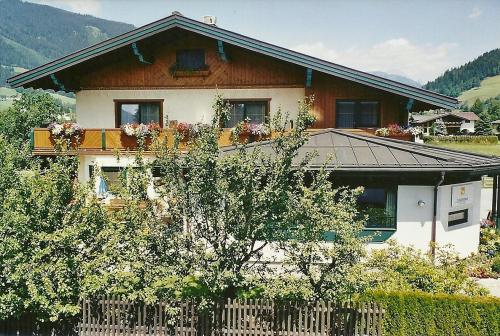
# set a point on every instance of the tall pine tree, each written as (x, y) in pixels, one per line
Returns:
(477, 107)
(483, 126)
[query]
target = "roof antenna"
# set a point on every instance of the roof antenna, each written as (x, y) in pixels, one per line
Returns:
(177, 13)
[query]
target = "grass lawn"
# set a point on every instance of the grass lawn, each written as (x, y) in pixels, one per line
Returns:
(11, 92)
(490, 87)
(473, 148)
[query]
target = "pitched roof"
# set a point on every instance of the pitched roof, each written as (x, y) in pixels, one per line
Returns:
(225, 36)
(420, 119)
(468, 115)
(351, 152)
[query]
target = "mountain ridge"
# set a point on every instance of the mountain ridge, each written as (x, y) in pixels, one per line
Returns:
(455, 81)
(397, 78)
(32, 34)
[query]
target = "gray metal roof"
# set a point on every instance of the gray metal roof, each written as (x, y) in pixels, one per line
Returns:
(352, 152)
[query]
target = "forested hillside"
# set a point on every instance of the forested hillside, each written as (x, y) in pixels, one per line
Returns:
(32, 34)
(454, 81)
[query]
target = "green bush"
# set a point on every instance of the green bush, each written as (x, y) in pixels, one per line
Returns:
(399, 267)
(414, 313)
(471, 139)
(495, 264)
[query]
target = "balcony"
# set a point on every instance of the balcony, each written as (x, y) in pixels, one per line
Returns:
(108, 140)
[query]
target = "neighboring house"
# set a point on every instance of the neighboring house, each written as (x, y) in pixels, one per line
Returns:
(494, 125)
(456, 122)
(171, 70)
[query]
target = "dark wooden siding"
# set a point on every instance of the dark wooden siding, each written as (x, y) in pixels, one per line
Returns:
(328, 89)
(244, 69)
(120, 69)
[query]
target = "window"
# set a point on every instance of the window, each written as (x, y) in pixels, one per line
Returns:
(379, 205)
(255, 111)
(458, 217)
(108, 181)
(190, 59)
(141, 112)
(353, 114)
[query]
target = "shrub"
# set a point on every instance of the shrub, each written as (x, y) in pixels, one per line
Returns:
(495, 264)
(397, 267)
(471, 139)
(413, 313)
(489, 242)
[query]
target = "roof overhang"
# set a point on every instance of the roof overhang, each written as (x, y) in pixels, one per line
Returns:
(178, 21)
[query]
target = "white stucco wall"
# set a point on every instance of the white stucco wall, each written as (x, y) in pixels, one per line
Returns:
(465, 237)
(414, 224)
(469, 126)
(96, 108)
(486, 200)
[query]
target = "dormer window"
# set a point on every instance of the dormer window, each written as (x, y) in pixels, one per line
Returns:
(190, 60)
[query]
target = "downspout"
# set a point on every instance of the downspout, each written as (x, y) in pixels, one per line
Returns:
(434, 215)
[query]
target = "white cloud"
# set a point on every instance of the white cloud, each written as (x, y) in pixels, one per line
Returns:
(397, 56)
(476, 12)
(92, 7)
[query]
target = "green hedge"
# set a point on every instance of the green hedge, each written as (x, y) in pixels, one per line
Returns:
(473, 139)
(414, 313)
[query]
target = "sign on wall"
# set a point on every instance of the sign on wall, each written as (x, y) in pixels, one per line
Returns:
(461, 195)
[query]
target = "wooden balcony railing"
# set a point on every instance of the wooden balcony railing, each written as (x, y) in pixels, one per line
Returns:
(95, 140)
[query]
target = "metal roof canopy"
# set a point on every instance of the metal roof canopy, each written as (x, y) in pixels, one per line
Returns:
(179, 21)
(348, 152)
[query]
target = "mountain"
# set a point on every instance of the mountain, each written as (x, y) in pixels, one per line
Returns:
(32, 34)
(397, 78)
(457, 80)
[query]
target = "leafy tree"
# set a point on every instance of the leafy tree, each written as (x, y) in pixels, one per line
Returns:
(203, 236)
(46, 224)
(35, 109)
(330, 268)
(439, 128)
(237, 205)
(140, 256)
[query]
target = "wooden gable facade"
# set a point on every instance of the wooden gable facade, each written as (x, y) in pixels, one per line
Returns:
(147, 65)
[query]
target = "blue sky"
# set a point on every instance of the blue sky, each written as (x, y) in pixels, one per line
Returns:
(419, 39)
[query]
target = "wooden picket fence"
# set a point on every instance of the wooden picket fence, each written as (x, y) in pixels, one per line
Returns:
(231, 317)
(28, 325)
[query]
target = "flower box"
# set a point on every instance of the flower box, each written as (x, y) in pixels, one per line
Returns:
(190, 73)
(250, 132)
(69, 135)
